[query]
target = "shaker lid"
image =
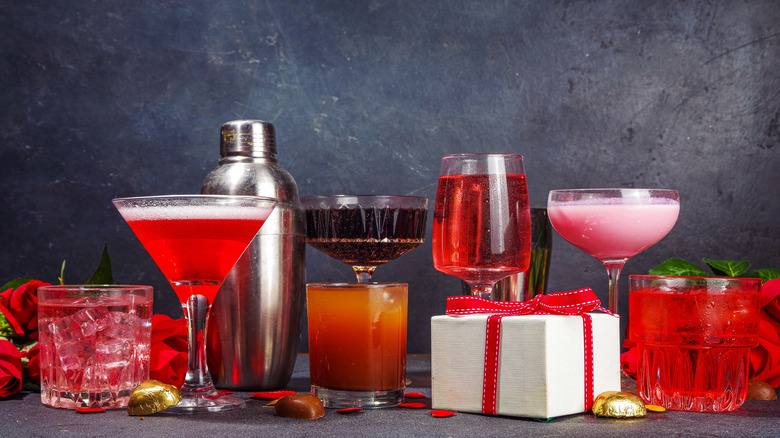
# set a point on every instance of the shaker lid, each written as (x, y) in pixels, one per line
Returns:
(247, 137)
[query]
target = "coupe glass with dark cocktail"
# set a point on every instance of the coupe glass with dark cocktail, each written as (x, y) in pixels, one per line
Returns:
(195, 240)
(365, 231)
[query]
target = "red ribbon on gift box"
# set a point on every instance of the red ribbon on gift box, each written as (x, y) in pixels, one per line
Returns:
(576, 302)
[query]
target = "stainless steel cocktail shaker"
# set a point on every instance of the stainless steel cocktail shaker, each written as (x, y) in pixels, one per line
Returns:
(254, 326)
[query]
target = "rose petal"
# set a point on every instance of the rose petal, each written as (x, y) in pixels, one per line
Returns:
(345, 411)
(271, 395)
(89, 410)
(415, 395)
(440, 413)
(412, 405)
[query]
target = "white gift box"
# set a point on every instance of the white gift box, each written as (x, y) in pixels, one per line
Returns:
(541, 363)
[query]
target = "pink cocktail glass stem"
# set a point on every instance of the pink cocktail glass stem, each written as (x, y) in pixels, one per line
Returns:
(613, 272)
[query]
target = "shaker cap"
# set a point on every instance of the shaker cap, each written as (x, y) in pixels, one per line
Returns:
(253, 138)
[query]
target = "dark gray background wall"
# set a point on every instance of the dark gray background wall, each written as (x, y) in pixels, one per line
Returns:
(100, 99)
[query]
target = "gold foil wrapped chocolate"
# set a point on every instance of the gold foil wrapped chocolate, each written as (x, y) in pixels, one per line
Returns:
(151, 397)
(616, 404)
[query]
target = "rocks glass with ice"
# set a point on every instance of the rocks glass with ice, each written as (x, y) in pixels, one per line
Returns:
(94, 344)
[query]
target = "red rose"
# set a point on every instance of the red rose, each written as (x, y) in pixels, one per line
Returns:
(10, 369)
(33, 363)
(20, 307)
(168, 361)
(765, 359)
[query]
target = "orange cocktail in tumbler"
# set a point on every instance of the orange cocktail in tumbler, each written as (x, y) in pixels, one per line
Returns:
(693, 339)
(357, 343)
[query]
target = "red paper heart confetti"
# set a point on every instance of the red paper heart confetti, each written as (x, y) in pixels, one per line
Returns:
(89, 410)
(412, 405)
(414, 395)
(225, 391)
(345, 411)
(440, 413)
(271, 395)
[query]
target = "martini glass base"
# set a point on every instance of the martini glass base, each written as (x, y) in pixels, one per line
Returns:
(206, 401)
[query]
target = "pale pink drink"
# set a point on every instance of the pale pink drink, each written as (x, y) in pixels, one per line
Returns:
(196, 240)
(613, 225)
(94, 344)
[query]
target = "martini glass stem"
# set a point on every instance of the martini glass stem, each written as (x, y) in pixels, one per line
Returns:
(613, 272)
(197, 378)
(364, 273)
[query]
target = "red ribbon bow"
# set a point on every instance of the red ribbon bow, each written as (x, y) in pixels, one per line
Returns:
(576, 302)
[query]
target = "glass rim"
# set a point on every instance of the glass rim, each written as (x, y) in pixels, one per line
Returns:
(686, 277)
(196, 196)
(89, 287)
(364, 196)
(371, 285)
(614, 189)
(485, 154)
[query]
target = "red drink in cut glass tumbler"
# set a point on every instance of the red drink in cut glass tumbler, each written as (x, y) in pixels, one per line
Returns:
(475, 246)
(693, 337)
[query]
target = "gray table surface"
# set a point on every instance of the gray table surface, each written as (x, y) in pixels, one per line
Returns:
(25, 416)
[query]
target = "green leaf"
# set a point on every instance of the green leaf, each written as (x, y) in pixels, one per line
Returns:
(678, 267)
(727, 268)
(102, 274)
(765, 274)
(6, 329)
(13, 284)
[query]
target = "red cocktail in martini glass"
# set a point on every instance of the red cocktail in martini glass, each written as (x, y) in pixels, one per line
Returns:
(195, 240)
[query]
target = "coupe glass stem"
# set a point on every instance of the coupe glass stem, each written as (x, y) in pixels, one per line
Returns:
(197, 378)
(364, 273)
(613, 272)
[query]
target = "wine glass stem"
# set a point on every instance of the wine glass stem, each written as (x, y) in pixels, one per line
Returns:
(613, 272)
(482, 290)
(197, 374)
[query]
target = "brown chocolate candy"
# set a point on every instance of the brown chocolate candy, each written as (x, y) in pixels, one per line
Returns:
(303, 406)
(758, 390)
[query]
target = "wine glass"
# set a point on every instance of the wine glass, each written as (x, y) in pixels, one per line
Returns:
(365, 231)
(195, 241)
(613, 225)
(482, 219)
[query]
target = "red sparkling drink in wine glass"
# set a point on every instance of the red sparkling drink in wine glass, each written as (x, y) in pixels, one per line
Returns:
(482, 221)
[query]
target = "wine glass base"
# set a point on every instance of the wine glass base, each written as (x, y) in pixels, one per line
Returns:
(211, 401)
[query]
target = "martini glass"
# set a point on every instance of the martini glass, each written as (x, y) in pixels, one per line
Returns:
(482, 219)
(365, 231)
(195, 241)
(613, 225)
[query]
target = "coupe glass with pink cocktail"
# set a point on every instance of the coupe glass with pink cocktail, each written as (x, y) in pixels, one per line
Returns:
(482, 219)
(195, 240)
(613, 225)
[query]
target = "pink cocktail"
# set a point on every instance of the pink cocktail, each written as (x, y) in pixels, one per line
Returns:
(613, 225)
(196, 240)
(693, 339)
